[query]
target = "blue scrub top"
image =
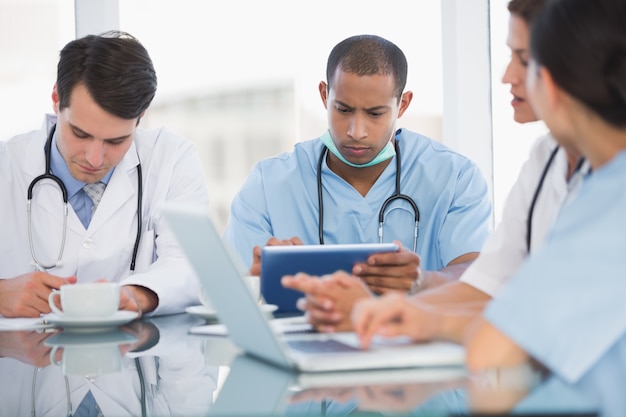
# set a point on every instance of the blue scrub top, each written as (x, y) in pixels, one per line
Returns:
(565, 306)
(279, 199)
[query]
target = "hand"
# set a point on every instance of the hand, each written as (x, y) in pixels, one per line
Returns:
(402, 398)
(26, 346)
(498, 390)
(145, 332)
(255, 269)
(27, 295)
(336, 394)
(390, 271)
(329, 300)
(392, 315)
(138, 298)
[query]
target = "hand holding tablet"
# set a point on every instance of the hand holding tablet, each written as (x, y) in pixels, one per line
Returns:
(278, 261)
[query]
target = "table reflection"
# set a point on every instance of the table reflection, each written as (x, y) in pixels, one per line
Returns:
(156, 367)
(600, 392)
(142, 369)
(273, 391)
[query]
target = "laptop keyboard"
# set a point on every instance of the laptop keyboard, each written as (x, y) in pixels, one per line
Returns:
(321, 346)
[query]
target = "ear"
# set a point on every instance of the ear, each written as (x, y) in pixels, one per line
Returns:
(553, 92)
(405, 100)
(55, 99)
(323, 89)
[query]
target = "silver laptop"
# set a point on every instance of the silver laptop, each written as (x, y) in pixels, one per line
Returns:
(221, 274)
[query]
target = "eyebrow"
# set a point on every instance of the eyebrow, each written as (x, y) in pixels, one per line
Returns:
(375, 108)
(89, 135)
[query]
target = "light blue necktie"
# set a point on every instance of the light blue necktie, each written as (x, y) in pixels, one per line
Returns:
(88, 407)
(94, 192)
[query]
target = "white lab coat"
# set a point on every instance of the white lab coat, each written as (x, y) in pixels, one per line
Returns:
(171, 172)
(505, 251)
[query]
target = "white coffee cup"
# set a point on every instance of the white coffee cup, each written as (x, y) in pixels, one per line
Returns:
(97, 299)
(89, 361)
(253, 282)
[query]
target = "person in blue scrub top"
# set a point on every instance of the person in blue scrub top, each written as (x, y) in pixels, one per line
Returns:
(547, 179)
(565, 308)
(330, 190)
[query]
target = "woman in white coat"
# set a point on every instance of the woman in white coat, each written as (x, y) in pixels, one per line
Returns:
(94, 137)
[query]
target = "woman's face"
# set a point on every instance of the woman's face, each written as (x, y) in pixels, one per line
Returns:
(515, 74)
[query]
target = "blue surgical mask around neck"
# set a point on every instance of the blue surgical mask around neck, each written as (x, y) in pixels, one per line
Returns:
(389, 151)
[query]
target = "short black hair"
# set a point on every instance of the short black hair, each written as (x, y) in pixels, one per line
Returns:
(114, 67)
(368, 55)
(528, 10)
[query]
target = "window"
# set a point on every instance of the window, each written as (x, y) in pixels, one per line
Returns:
(240, 78)
(32, 32)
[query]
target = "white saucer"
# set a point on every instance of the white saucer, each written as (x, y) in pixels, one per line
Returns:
(269, 308)
(210, 314)
(91, 323)
(202, 311)
(110, 337)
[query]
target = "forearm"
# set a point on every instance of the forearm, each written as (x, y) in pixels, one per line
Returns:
(454, 305)
(449, 273)
(455, 320)
(146, 299)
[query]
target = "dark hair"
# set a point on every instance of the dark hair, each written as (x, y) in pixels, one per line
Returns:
(114, 67)
(583, 45)
(368, 55)
(526, 9)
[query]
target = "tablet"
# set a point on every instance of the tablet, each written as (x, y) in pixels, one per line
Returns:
(277, 261)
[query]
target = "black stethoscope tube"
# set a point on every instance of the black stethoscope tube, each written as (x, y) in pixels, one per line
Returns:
(48, 175)
(533, 203)
(397, 195)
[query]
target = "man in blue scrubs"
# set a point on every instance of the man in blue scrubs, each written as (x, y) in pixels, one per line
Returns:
(354, 167)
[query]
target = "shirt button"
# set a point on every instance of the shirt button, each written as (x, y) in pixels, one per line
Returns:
(88, 244)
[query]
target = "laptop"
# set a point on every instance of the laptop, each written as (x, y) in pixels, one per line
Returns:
(278, 261)
(221, 274)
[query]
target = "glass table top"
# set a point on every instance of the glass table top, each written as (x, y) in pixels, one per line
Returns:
(156, 367)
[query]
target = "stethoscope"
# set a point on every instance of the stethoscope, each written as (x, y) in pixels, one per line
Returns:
(48, 175)
(397, 195)
(533, 203)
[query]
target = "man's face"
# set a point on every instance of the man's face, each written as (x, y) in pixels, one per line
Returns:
(91, 140)
(362, 114)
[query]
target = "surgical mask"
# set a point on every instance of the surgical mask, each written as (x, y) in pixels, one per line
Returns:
(386, 153)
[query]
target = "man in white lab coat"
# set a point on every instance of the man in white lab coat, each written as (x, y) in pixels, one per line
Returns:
(104, 86)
